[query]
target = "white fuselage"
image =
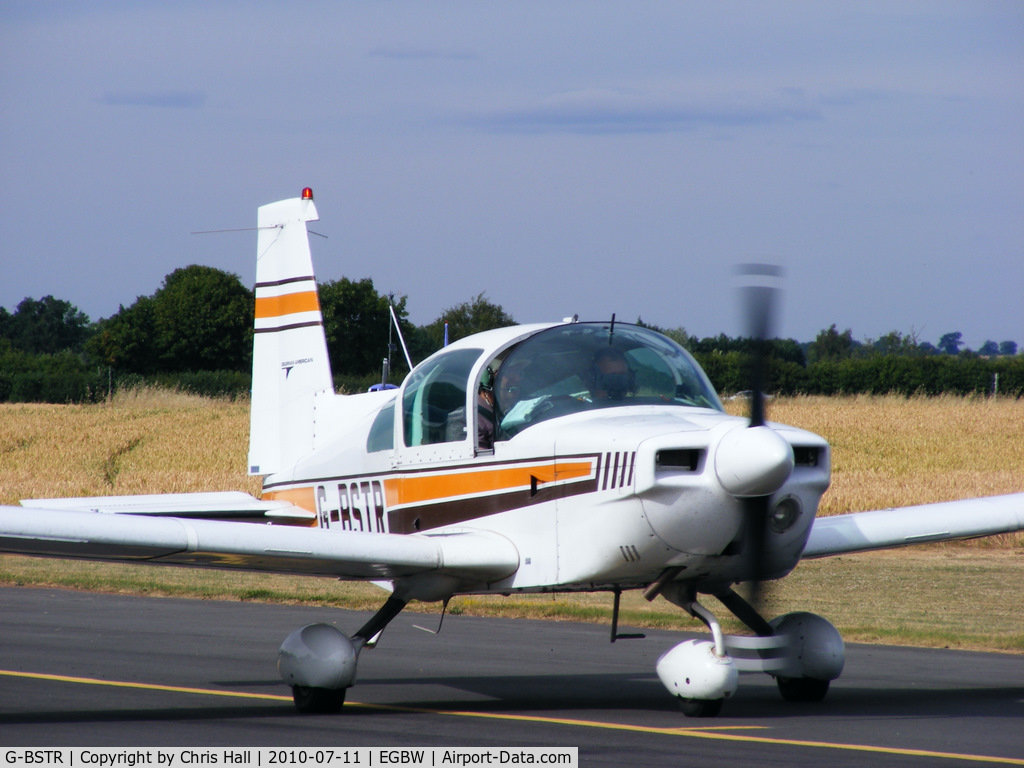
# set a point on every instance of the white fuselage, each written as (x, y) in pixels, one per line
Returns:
(600, 499)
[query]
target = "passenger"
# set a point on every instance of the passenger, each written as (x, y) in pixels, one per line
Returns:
(455, 428)
(610, 376)
(485, 419)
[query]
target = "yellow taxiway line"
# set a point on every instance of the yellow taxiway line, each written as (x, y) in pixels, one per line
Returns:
(720, 733)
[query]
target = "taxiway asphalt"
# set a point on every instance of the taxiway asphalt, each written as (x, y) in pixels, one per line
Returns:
(84, 669)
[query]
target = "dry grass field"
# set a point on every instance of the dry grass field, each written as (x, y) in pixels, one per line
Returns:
(143, 441)
(894, 451)
(887, 451)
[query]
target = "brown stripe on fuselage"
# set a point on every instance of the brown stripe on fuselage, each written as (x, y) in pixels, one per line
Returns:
(426, 488)
(425, 516)
(419, 500)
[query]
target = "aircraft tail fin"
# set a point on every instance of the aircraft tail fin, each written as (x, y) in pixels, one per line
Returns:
(290, 366)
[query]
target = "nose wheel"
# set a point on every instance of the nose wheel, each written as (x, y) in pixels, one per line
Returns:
(802, 651)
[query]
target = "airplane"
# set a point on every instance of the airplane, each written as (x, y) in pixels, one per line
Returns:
(557, 457)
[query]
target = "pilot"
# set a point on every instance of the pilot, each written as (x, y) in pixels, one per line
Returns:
(610, 375)
(510, 384)
(512, 400)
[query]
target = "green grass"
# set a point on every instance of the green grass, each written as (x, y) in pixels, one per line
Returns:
(935, 597)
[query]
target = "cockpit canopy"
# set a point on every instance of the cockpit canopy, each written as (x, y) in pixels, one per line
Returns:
(583, 366)
(558, 371)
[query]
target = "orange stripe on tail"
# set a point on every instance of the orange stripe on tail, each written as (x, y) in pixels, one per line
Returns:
(288, 304)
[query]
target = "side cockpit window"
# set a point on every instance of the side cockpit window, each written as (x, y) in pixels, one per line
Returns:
(382, 431)
(434, 399)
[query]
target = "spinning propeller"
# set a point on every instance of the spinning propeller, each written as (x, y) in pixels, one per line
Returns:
(753, 462)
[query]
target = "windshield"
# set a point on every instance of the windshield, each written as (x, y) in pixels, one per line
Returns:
(583, 366)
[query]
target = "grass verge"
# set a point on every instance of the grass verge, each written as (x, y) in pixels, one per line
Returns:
(938, 597)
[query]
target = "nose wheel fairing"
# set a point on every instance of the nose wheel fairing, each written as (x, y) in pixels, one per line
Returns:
(802, 651)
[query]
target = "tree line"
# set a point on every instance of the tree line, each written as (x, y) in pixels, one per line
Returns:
(195, 333)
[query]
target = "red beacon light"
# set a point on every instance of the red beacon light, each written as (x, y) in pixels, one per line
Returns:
(307, 193)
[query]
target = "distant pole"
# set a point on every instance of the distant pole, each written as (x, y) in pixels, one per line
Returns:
(995, 384)
(401, 338)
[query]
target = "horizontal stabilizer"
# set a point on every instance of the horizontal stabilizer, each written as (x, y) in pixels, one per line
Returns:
(887, 528)
(223, 505)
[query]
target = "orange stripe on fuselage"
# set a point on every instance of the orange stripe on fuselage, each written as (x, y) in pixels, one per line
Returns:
(304, 498)
(288, 304)
(419, 489)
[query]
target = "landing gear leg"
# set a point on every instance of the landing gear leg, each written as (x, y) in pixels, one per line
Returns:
(391, 608)
(745, 612)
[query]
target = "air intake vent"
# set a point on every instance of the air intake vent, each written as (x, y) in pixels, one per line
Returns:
(678, 459)
(804, 456)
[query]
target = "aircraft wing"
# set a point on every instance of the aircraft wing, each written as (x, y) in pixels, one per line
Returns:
(887, 528)
(474, 555)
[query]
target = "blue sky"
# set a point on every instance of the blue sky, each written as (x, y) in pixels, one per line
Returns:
(563, 158)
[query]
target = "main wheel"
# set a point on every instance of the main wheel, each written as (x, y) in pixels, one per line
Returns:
(318, 701)
(701, 707)
(802, 688)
